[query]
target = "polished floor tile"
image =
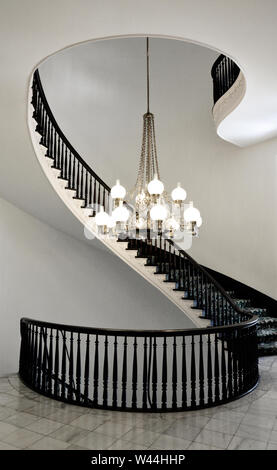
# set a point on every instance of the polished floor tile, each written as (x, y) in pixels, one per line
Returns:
(29, 420)
(69, 434)
(241, 443)
(96, 441)
(214, 438)
(89, 422)
(44, 426)
(165, 442)
(22, 438)
(48, 443)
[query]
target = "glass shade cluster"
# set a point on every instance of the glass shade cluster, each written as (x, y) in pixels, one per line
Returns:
(152, 210)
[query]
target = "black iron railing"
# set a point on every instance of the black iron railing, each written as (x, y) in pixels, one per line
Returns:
(224, 74)
(80, 177)
(138, 369)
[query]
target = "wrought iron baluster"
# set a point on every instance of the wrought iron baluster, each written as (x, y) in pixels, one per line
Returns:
(71, 367)
(57, 366)
(216, 370)
(63, 376)
(115, 373)
(154, 375)
(124, 374)
(96, 371)
(105, 371)
(164, 375)
(134, 375)
(210, 372)
(201, 372)
(174, 375)
(145, 372)
(78, 369)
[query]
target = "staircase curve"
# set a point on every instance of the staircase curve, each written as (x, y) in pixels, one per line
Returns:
(220, 353)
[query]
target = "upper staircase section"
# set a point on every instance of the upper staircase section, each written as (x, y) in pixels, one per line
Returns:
(229, 87)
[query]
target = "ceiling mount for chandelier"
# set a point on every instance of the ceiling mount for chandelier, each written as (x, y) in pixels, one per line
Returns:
(149, 211)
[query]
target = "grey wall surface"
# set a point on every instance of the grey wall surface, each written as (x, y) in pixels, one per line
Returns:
(97, 93)
(50, 276)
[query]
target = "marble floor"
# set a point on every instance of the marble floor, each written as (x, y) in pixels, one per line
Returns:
(30, 421)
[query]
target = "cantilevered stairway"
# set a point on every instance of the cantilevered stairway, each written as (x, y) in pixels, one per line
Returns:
(172, 271)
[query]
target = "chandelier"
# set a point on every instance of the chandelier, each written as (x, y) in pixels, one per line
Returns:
(148, 211)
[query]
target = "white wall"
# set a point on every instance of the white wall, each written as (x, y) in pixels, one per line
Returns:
(48, 275)
(97, 93)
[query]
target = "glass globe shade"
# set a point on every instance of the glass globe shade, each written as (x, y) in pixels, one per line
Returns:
(172, 224)
(141, 223)
(111, 222)
(191, 214)
(158, 212)
(120, 214)
(178, 194)
(199, 222)
(102, 218)
(155, 187)
(118, 191)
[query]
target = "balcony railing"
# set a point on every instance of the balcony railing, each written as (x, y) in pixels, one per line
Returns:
(224, 74)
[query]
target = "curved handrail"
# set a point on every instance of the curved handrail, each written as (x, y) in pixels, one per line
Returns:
(214, 281)
(61, 134)
(140, 332)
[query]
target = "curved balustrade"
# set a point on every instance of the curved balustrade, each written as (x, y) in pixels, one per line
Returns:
(224, 73)
(138, 369)
(80, 177)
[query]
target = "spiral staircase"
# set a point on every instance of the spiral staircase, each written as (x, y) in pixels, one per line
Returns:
(79, 187)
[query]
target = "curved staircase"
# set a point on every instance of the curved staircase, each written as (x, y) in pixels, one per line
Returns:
(172, 271)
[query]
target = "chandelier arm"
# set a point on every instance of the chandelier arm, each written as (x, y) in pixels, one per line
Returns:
(152, 148)
(155, 152)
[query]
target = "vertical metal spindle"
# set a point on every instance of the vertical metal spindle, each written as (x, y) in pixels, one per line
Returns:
(230, 368)
(86, 189)
(96, 371)
(145, 372)
(50, 364)
(86, 370)
(184, 374)
(115, 373)
(201, 372)
(193, 374)
(216, 370)
(105, 372)
(134, 375)
(63, 375)
(124, 374)
(164, 375)
(56, 366)
(174, 375)
(35, 358)
(44, 360)
(71, 367)
(78, 369)
(209, 372)
(154, 375)
(223, 370)
(39, 367)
